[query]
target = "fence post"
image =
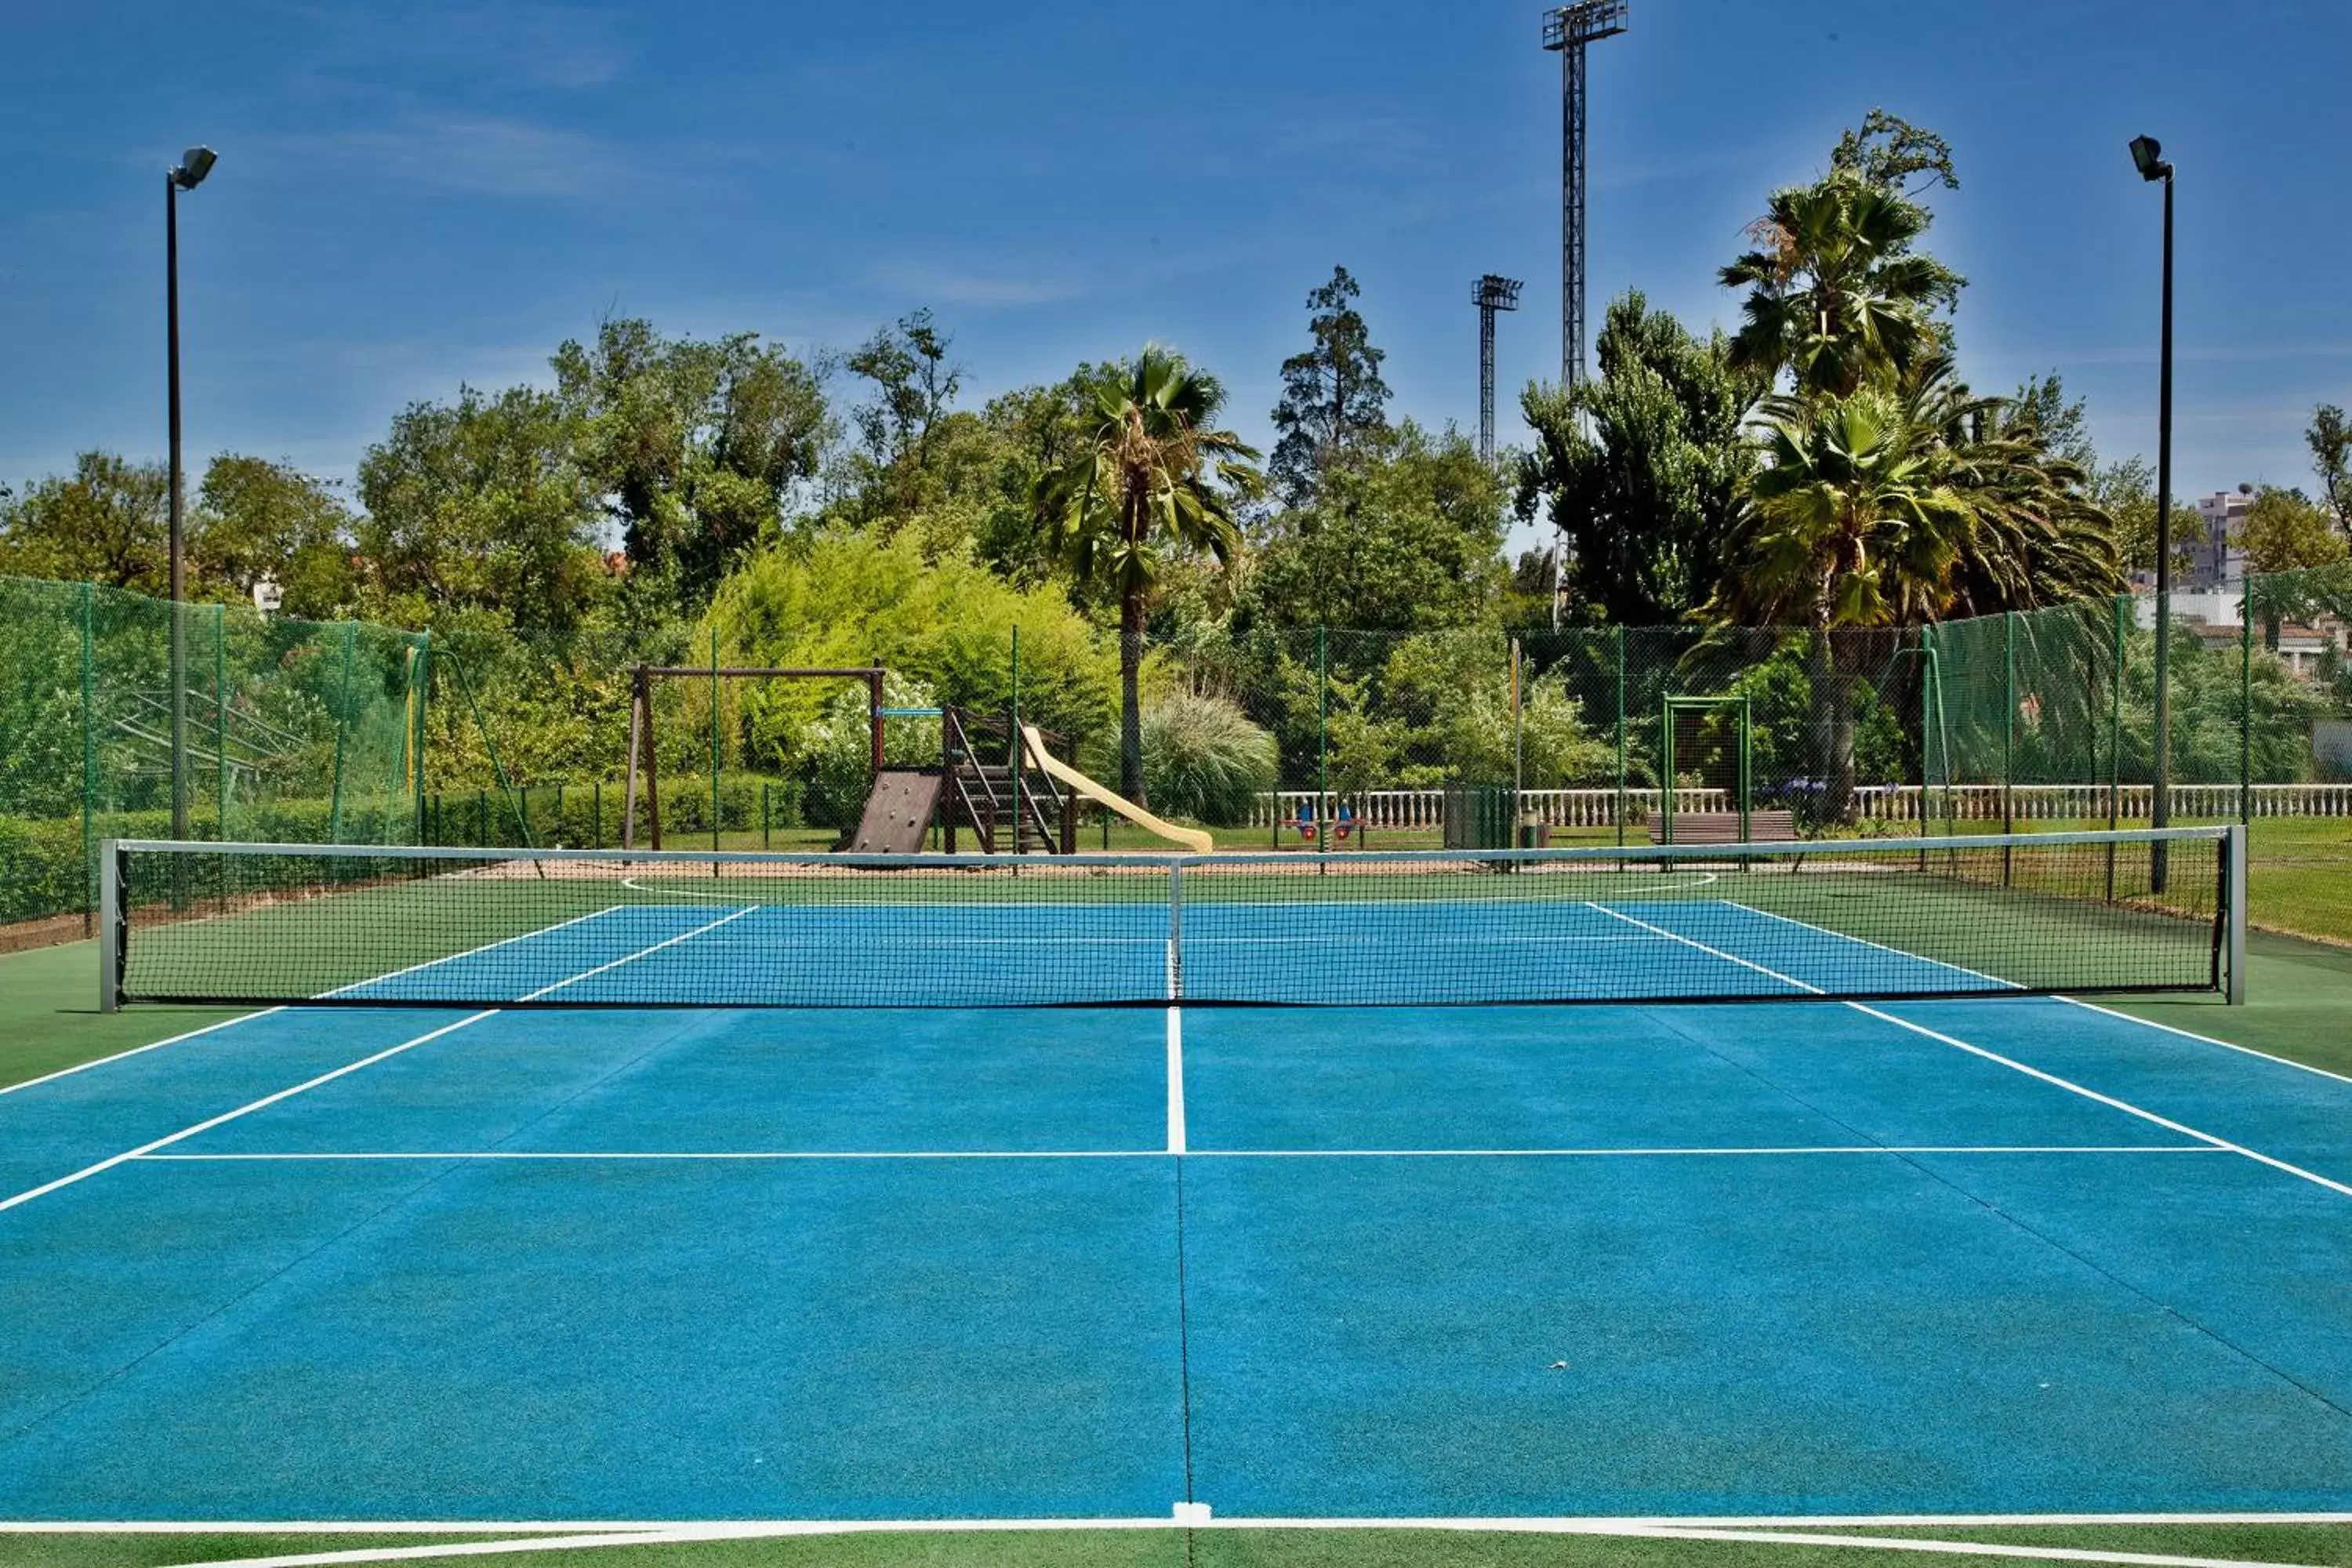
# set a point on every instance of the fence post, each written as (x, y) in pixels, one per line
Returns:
(714, 736)
(89, 868)
(2008, 738)
(2246, 699)
(342, 724)
(596, 813)
(1621, 736)
(420, 690)
(1518, 744)
(1017, 752)
(1322, 740)
(2116, 735)
(220, 724)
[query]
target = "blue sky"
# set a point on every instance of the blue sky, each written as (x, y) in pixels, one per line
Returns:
(413, 194)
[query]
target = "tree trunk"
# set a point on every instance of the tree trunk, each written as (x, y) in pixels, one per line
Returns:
(1130, 709)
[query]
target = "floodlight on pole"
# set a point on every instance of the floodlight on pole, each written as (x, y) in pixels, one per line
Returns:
(186, 175)
(1490, 294)
(2147, 157)
(1566, 31)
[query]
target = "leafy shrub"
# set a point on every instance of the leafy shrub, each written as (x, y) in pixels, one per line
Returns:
(841, 748)
(1204, 759)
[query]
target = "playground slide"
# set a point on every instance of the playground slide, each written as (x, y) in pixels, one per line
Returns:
(898, 814)
(1192, 838)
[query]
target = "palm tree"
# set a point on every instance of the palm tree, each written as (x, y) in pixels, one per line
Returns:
(1836, 292)
(1155, 479)
(1852, 522)
(2041, 538)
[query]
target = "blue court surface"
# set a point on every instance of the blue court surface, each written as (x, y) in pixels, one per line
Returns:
(2002, 1253)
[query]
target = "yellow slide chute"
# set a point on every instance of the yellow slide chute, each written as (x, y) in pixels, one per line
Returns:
(1192, 838)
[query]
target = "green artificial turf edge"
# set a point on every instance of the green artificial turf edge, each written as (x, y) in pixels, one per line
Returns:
(1240, 1547)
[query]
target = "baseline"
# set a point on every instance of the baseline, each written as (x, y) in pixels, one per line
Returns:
(722, 1155)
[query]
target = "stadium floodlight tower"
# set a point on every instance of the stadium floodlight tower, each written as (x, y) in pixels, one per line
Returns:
(1490, 294)
(1567, 31)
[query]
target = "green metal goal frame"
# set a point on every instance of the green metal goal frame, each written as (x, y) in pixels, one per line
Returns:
(1673, 705)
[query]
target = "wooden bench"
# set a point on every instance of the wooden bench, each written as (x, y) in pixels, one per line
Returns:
(1723, 827)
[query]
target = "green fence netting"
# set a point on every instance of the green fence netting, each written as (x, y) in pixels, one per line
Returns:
(303, 732)
(287, 729)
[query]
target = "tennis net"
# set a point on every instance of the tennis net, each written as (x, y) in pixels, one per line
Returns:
(394, 926)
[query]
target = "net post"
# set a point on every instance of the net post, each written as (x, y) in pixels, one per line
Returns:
(109, 928)
(2233, 914)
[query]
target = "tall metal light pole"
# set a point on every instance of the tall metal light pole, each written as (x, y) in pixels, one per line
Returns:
(186, 175)
(1567, 30)
(2147, 155)
(1490, 294)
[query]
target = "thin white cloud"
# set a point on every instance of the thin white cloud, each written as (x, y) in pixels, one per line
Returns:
(475, 154)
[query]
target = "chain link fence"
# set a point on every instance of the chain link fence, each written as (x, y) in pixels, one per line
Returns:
(286, 731)
(1294, 738)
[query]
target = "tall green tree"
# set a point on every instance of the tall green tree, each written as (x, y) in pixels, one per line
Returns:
(914, 386)
(1644, 496)
(2286, 530)
(695, 444)
(255, 519)
(1410, 536)
(480, 505)
(109, 521)
(1156, 479)
(1334, 403)
(1837, 287)
(2330, 439)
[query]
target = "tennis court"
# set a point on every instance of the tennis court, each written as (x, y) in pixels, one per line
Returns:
(1891, 1236)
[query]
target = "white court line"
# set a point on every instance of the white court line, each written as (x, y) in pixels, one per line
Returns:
(2011, 985)
(1175, 1080)
(2034, 1072)
(1533, 1524)
(2205, 1039)
(473, 952)
(269, 1100)
(332, 1155)
(265, 1012)
(641, 953)
(1773, 1531)
(136, 1050)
